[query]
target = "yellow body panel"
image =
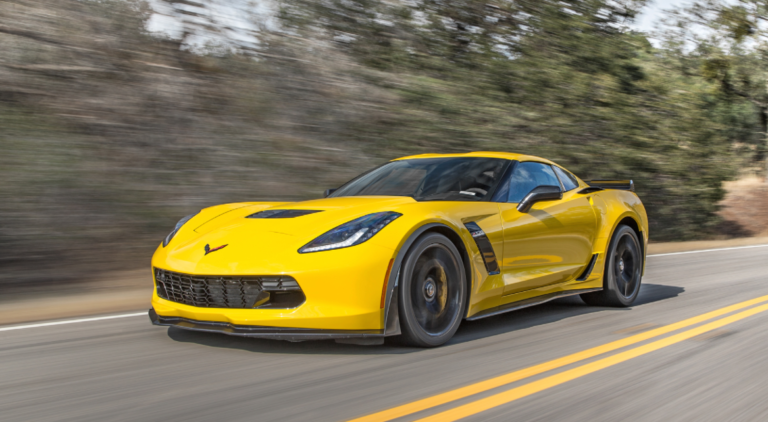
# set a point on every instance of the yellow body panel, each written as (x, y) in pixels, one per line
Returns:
(539, 253)
(549, 244)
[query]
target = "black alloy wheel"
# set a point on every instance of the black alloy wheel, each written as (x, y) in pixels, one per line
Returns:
(432, 292)
(623, 271)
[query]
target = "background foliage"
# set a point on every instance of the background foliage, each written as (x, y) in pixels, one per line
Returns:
(110, 134)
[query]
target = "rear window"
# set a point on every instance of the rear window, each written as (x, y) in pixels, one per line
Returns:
(569, 180)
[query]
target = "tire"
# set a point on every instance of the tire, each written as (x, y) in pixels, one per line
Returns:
(623, 271)
(432, 293)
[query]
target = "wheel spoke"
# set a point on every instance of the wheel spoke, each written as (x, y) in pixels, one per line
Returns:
(626, 286)
(625, 261)
(434, 289)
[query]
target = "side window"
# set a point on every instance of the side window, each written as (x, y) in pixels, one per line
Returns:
(528, 176)
(569, 180)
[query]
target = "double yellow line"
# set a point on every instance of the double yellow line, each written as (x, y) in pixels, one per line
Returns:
(565, 376)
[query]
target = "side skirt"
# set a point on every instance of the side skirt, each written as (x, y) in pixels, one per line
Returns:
(529, 302)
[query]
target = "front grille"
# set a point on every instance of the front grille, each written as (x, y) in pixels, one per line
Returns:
(229, 291)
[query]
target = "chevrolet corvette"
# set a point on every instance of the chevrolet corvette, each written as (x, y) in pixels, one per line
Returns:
(411, 249)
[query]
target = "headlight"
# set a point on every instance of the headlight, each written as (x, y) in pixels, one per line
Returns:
(350, 234)
(176, 229)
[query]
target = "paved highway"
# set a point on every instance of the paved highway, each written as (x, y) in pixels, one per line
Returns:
(694, 347)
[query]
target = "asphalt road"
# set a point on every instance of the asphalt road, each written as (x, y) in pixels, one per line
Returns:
(714, 368)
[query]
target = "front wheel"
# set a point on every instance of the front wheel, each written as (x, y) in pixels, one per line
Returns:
(432, 292)
(623, 271)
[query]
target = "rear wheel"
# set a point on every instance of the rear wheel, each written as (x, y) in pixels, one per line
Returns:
(432, 292)
(623, 271)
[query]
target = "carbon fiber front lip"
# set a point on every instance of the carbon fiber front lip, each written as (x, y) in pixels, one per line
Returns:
(255, 331)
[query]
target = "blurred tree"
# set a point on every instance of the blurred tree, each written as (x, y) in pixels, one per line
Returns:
(561, 79)
(730, 44)
(110, 133)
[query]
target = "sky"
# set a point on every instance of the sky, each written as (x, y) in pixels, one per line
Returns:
(237, 28)
(235, 22)
(654, 12)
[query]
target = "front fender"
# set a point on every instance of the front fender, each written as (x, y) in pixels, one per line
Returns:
(392, 312)
(449, 220)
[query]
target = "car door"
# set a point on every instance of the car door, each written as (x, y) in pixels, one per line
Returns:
(551, 242)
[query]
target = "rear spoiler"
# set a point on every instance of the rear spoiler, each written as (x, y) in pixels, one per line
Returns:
(612, 184)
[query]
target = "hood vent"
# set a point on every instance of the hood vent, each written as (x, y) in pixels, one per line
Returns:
(282, 213)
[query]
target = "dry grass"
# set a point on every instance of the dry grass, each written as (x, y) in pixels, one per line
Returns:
(746, 206)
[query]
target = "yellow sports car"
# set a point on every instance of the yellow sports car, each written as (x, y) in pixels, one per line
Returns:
(410, 248)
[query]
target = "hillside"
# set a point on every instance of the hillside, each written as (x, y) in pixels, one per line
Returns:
(112, 133)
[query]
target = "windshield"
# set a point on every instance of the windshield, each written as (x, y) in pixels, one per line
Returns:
(431, 179)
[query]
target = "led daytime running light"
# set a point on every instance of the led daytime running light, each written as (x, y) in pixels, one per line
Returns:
(352, 233)
(349, 242)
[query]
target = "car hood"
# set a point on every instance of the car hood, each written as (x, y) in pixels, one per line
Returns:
(269, 239)
(331, 212)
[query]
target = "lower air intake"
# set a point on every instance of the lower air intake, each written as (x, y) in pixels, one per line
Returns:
(246, 292)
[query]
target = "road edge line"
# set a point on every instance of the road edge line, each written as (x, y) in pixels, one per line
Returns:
(709, 250)
(70, 321)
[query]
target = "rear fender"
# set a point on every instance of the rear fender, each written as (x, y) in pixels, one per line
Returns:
(611, 208)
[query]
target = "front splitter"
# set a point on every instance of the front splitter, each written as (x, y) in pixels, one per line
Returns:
(257, 331)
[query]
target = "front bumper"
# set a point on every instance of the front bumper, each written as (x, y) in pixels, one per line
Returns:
(343, 289)
(256, 331)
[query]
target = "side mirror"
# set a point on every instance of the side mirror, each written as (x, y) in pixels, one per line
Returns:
(538, 194)
(328, 192)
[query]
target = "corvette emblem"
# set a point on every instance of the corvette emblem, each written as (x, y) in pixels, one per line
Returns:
(208, 248)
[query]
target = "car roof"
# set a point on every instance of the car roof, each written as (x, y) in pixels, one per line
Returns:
(484, 154)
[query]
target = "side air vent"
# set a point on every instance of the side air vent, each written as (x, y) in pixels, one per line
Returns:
(282, 213)
(481, 239)
(588, 270)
